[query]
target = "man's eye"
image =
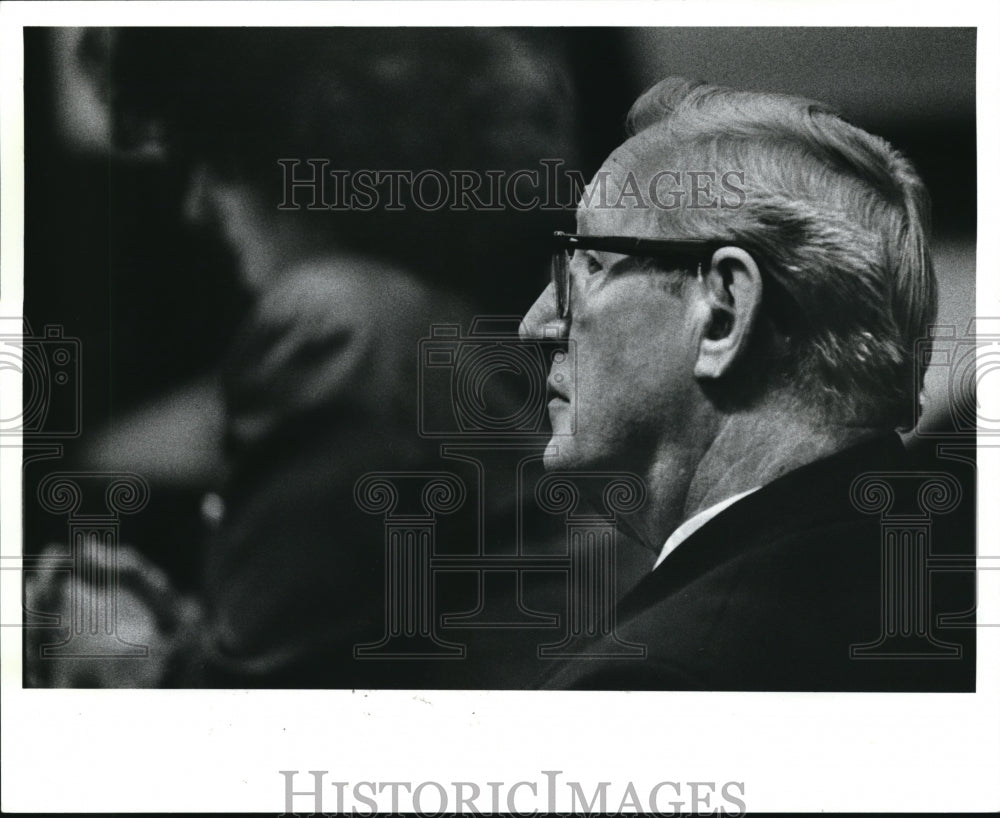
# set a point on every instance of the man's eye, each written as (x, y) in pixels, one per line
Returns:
(593, 265)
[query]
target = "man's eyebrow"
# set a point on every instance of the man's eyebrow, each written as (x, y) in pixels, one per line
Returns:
(608, 261)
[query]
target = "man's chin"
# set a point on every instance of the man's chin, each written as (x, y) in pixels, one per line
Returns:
(559, 454)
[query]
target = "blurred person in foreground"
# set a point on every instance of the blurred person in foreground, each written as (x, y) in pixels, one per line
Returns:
(320, 386)
(742, 304)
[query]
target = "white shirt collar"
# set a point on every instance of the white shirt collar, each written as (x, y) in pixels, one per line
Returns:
(689, 526)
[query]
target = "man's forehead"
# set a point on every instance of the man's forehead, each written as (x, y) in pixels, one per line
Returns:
(609, 198)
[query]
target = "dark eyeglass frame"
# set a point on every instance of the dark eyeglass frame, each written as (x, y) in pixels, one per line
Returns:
(696, 251)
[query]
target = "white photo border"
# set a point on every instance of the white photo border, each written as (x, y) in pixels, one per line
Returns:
(183, 751)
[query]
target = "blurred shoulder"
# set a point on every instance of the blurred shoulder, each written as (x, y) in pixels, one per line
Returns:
(334, 334)
(349, 291)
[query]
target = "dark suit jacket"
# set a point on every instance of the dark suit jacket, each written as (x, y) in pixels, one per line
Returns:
(772, 593)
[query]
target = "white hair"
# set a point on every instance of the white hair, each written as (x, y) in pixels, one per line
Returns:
(834, 216)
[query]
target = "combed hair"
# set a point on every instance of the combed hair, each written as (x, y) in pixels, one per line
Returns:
(834, 216)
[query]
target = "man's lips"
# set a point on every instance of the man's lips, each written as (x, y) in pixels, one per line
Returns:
(555, 391)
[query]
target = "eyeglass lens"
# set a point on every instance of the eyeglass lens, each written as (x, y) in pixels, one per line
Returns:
(560, 278)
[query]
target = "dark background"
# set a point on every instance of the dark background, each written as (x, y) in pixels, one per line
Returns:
(108, 257)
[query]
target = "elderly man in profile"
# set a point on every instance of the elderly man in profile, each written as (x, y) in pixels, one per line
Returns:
(741, 303)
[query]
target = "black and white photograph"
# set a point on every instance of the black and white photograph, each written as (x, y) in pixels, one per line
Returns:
(559, 387)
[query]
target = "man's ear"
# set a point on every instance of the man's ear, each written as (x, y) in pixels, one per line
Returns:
(731, 292)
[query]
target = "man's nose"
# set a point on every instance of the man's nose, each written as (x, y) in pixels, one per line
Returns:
(542, 320)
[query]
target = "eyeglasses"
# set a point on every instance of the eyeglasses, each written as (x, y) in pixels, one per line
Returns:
(690, 252)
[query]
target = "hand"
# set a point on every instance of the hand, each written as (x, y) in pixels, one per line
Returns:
(116, 628)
